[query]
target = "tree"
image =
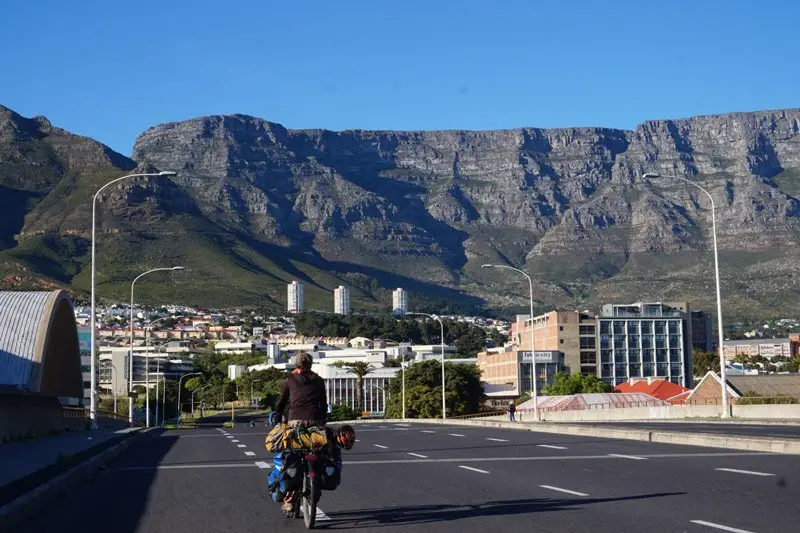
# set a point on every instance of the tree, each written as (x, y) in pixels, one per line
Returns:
(341, 412)
(360, 369)
(464, 392)
(704, 362)
(568, 384)
(472, 342)
(497, 337)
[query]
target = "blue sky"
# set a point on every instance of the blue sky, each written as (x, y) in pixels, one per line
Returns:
(110, 69)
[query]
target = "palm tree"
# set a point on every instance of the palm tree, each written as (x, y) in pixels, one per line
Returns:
(360, 369)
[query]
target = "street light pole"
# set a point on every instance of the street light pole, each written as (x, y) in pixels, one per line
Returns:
(534, 387)
(441, 324)
(180, 381)
(146, 362)
(158, 363)
(193, 393)
(721, 335)
(92, 341)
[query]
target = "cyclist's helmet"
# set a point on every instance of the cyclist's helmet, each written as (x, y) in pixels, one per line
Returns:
(346, 437)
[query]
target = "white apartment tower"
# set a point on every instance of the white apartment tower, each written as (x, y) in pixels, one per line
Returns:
(399, 302)
(295, 297)
(341, 300)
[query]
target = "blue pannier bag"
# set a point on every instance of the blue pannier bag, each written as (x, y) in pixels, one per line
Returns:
(283, 477)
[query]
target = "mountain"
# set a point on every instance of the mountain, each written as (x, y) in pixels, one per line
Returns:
(255, 205)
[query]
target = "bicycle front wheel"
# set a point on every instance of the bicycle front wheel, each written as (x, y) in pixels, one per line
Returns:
(310, 501)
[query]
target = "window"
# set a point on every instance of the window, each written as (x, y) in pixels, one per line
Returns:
(560, 328)
(633, 327)
(586, 330)
(561, 341)
(605, 356)
(619, 328)
(587, 343)
(607, 371)
(588, 358)
(605, 341)
(673, 327)
(633, 341)
(605, 328)
(660, 326)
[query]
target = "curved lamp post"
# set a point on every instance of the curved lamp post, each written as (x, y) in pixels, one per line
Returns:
(146, 362)
(180, 381)
(444, 403)
(723, 373)
(534, 391)
(93, 347)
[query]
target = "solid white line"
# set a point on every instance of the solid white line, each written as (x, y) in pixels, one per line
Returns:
(455, 434)
(496, 440)
(551, 446)
(473, 469)
(563, 490)
(750, 472)
(719, 526)
(621, 456)
(322, 517)
(418, 455)
(187, 467)
(263, 465)
(428, 431)
(250, 454)
(380, 446)
(241, 445)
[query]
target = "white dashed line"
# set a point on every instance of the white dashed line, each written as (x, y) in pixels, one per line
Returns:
(719, 526)
(496, 440)
(250, 454)
(417, 455)
(241, 445)
(228, 436)
(428, 431)
(403, 425)
(381, 446)
(321, 517)
(749, 472)
(235, 440)
(263, 465)
(565, 491)
(357, 440)
(552, 446)
(627, 457)
(478, 470)
(455, 434)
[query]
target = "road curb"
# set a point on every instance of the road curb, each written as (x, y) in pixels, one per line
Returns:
(19, 510)
(709, 440)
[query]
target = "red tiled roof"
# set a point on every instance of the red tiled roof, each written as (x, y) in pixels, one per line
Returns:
(659, 388)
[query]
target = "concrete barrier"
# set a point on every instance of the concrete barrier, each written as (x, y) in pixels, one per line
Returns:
(709, 440)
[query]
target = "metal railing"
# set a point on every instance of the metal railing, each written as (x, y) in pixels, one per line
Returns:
(482, 414)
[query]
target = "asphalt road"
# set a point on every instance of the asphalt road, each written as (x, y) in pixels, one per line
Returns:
(438, 478)
(751, 430)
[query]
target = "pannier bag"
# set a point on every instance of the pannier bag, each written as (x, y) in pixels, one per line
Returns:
(330, 471)
(282, 438)
(283, 477)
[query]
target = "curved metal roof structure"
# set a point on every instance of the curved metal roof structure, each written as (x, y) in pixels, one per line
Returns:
(39, 343)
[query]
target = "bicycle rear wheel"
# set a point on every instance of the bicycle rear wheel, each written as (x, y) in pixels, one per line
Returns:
(310, 501)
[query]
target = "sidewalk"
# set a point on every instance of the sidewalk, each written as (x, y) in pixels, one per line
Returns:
(27, 464)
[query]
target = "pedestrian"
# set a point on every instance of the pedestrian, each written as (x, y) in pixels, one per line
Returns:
(511, 410)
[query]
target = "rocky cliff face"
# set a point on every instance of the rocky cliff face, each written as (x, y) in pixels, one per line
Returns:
(569, 205)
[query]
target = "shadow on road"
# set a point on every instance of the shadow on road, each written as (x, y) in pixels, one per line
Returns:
(427, 514)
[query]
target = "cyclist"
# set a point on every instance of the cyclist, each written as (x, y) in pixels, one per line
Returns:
(304, 395)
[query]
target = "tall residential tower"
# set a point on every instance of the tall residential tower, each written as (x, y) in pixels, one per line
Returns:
(399, 302)
(295, 297)
(341, 300)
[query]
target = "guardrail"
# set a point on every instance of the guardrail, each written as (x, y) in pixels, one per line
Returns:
(483, 414)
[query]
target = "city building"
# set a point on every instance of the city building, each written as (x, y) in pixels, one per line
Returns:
(236, 371)
(646, 340)
(85, 346)
(768, 348)
(113, 366)
(702, 330)
(572, 333)
(341, 300)
(399, 302)
(708, 391)
(295, 297)
(512, 368)
(657, 388)
(341, 386)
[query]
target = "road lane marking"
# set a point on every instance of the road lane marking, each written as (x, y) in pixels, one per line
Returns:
(322, 517)
(263, 465)
(565, 491)
(749, 472)
(228, 436)
(428, 431)
(403, 425)
(473, 469)
(496, 440)
(250, 454)
(455, 434)
(235, 440)
(552, 446)
(621, 456)
(418, 455)
(187, 467)
(357, 440)
(241, 445)
(719, 526)
(381, 446)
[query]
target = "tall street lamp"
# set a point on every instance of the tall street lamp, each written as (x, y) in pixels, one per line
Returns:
(147, 363)
(534, 391)
(180, 381)
(158, 363)
(441, 324)
(93, 348)
(723, 373)
(195, 391)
